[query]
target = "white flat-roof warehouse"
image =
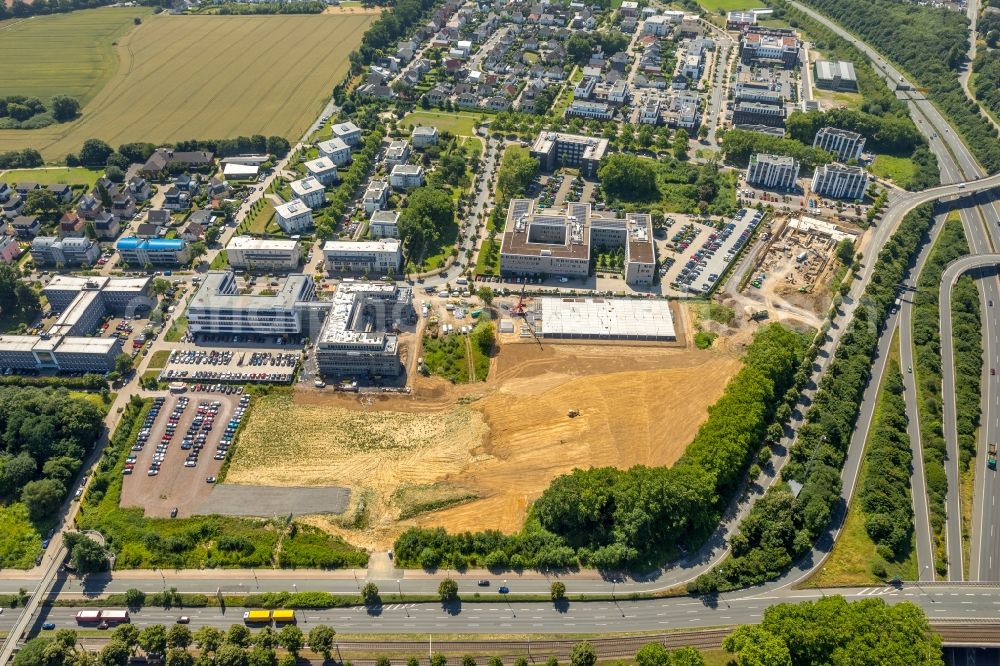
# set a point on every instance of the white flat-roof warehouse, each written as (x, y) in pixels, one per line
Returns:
(606, 318)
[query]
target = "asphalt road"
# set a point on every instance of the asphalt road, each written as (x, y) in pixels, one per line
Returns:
(498, 617)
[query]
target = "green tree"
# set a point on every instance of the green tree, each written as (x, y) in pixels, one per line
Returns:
(212, 235)
(653, 654)
(114, 653)
(160, 286)
(429, 211)
(845, 251)
(468, 660)
(290, 637)
(756, 646)
(321, 639)
(179, 636)
(262, 656)
(438, 659)
(179, 657)
(687, 656)
(153, 639)
(238, 634)
(485, 294)
(64, 108)
(230, 654)
(369, 593)
(583, 654)
(628, 177)
(123, 364)
(40, 202)
(196, 251)
(448, 590)
(42, 497)
(557, 590)
(95, 153)
(208, 639)
(87, 555)
(115, 174)
(127, 635)
(517, 169)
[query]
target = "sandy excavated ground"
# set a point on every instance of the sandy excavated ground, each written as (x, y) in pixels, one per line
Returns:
(502, 441)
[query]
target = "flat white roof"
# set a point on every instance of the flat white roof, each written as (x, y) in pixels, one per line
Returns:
(238, 170)
(333, 145)
(307, 185)
(292, 208)
(77, 283)
(385, 245)
(18, 343)
(619, 318)
(81, 345)
(251, 243)
(320, 164)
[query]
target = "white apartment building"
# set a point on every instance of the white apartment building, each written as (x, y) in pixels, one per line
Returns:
(839, 181)
(398, 152)
(406, 176)
(424, 136)
(658, 26)
(376, 196)
(336, 149)
(294, 217)
(246, 252)
(649, 114)
(347, 132)
(773, 171)
(842, 143)
(379, 257)
(322, 169)
(310, 191)
(384, 224)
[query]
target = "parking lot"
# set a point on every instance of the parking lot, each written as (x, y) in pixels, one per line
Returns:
(174, 463)
(703, 257)
(226, 365)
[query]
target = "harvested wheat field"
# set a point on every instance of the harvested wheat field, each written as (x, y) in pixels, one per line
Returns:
(484, 456)
(203, 77)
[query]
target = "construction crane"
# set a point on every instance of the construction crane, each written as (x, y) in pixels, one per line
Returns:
(518, 309)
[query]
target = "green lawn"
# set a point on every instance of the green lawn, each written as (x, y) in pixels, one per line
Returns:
(456, 122)
(259, 222)
(176, 330)
(728, 5)
(53, 176)
(899, 170)
(158, 359)
(20, 543)
(63, 54)
(95, 398)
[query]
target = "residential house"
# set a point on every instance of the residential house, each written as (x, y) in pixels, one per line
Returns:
(10, 249)
(123, 206)
(5, 191)
(156, 166)
(384, 224)
(72, 225)
(153, 251)
(106, 226)
(497, 103)
(398, 152)
(424, 136)
(24, 188)
(89, 206)
(139, 188)
(376, 196)
(347, 132)
(217, 190)
(62, 193)
(26, 226)
(160, 217)
(406, 176)
(294, 217)
(51, 250)
(310, 191)
(322, 169)
(176, 199)
(147, 230)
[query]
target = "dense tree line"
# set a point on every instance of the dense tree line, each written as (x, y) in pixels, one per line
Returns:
(298, 7)
(350, 180)
(950, 245)
(428, 213)
(929, 43)
(240, 145)
(835, 632)
(20, 159)
(782, 526)
(17, 297)
(609, 518)
(21, 9)
(581, 45)
(986, 67)
(887, 133)
(20, 112)
(390, 27)
(740, 145)
(885, 486)
(628, 177)
(44, 436)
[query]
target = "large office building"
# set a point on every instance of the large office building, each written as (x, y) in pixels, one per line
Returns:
(778, 45)
(137, 251)
(836, 75)
(263, 254)
(556, 149)
(379, 257)
(72, 252)
(537, 242)
(218, 307)
(68, 345)
(842, 143)
(773, 171)
(358, 338)
(757, 113)
(839, 181)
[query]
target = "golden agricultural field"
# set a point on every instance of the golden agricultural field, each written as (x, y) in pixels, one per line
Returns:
(183, 77)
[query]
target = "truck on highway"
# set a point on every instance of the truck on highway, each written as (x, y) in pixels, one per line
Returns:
(283, 617)
(257, 616)
(991, 456)
(113, 617)
(88, 617)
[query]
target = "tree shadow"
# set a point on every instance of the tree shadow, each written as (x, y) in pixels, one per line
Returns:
(561, 605)
(452, 607)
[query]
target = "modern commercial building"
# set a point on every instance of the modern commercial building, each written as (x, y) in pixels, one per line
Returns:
(607, 319)
(294, 217)
(71, 252)
(398, 152)
(755, 113)
(763, 93)
(379, 257)
(322, 169)
(336, 150)
(556, 149)
(406, 176)
(68, 346)
(548, 243)
(154, 251)
(424, 136)
(310, 191)
(769, 45)
(359, 336)
(251, 253)
(842, 143)
(836, 75)
(384, 224)
(218, 307)
(583, 109)
(739, 20)
(347, 132)
(773, 171)
(839, 181)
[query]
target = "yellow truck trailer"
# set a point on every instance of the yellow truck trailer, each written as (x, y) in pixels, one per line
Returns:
(283, 616)
(257, 616)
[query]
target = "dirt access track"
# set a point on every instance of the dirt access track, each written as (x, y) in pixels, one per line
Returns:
(495, 445)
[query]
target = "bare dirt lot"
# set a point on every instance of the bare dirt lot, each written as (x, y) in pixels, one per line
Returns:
(494, 446)
(177, 485)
